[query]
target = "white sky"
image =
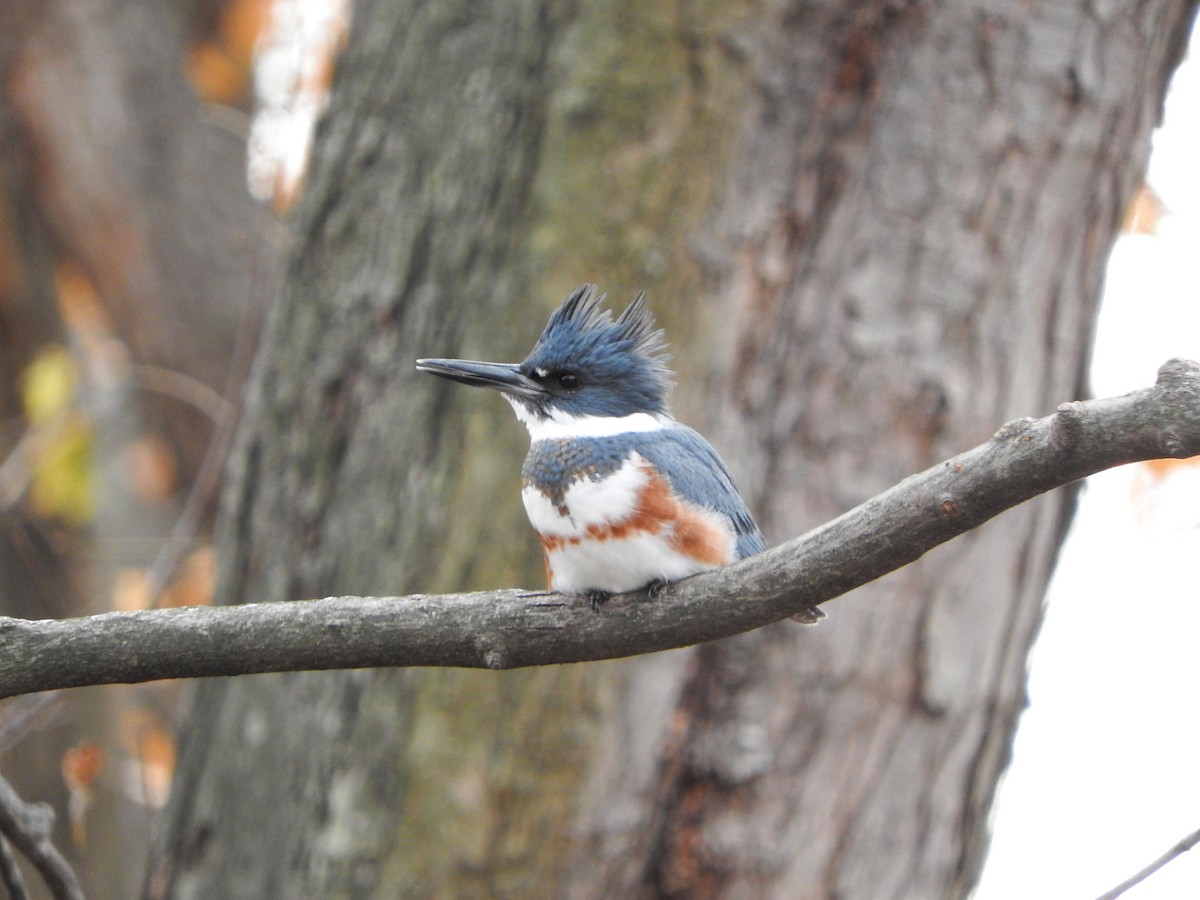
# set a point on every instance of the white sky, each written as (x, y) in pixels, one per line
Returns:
(1106, 773)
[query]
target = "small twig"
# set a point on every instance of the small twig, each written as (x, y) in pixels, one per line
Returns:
(187, 525)
(21, 715)
(10, 873)
(224, 415)
(27, 827)
(185, 388)
(1178, 850)
(17, 468)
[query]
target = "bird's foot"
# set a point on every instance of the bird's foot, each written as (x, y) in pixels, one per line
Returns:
(596, 599)
(810, 616)
(654, 588)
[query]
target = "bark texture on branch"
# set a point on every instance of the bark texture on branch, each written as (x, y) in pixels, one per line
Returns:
(512, 628)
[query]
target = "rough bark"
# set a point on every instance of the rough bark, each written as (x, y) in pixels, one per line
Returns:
(345, 474)
(917, 237)
(917, 202)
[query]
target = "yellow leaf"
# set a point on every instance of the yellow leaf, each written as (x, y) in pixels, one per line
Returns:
(62, 476)
(48, 384)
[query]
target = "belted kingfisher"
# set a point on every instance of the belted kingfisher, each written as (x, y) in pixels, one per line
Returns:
(621, 495)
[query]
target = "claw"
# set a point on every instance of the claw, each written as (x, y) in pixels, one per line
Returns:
(810, 616)
(596, 599)
(654, 588)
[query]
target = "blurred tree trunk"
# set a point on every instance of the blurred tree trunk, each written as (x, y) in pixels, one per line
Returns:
(141, 189)
(898, 216)
(128, 233)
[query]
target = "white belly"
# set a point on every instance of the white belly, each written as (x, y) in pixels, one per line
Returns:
(622, 532)
(617, 566)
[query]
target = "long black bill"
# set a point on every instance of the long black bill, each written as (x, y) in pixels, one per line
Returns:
(503, 377)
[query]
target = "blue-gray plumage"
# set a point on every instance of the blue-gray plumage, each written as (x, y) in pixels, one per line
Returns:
(699, 474)
(620, 494)
(681, 454)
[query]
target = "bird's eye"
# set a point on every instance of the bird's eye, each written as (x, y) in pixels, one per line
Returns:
(568, 380)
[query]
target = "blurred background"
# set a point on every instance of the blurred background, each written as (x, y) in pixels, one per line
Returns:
(152, 192)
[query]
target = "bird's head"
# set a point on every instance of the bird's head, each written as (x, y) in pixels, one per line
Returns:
(586, 366)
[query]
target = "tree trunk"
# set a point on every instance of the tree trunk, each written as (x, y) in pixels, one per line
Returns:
(898, 216)
(917, 236)
(347, 474)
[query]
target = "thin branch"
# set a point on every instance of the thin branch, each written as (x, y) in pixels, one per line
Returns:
(225, 416)
(510, 628)
(27, 827)
(10, 873)
(20, 716)
(1178, 850)
(184, 388)
(17, 468)
(187, 525)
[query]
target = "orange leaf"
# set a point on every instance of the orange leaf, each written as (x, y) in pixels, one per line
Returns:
(151, 467)
(215, 75)
(242, 21)
(1143, 213)
(81, 764)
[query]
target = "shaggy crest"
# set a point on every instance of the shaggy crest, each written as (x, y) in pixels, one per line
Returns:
(628, 351)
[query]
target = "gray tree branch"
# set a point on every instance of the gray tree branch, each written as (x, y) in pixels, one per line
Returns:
(1180, 848)
(511, 628)
(27, 827)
